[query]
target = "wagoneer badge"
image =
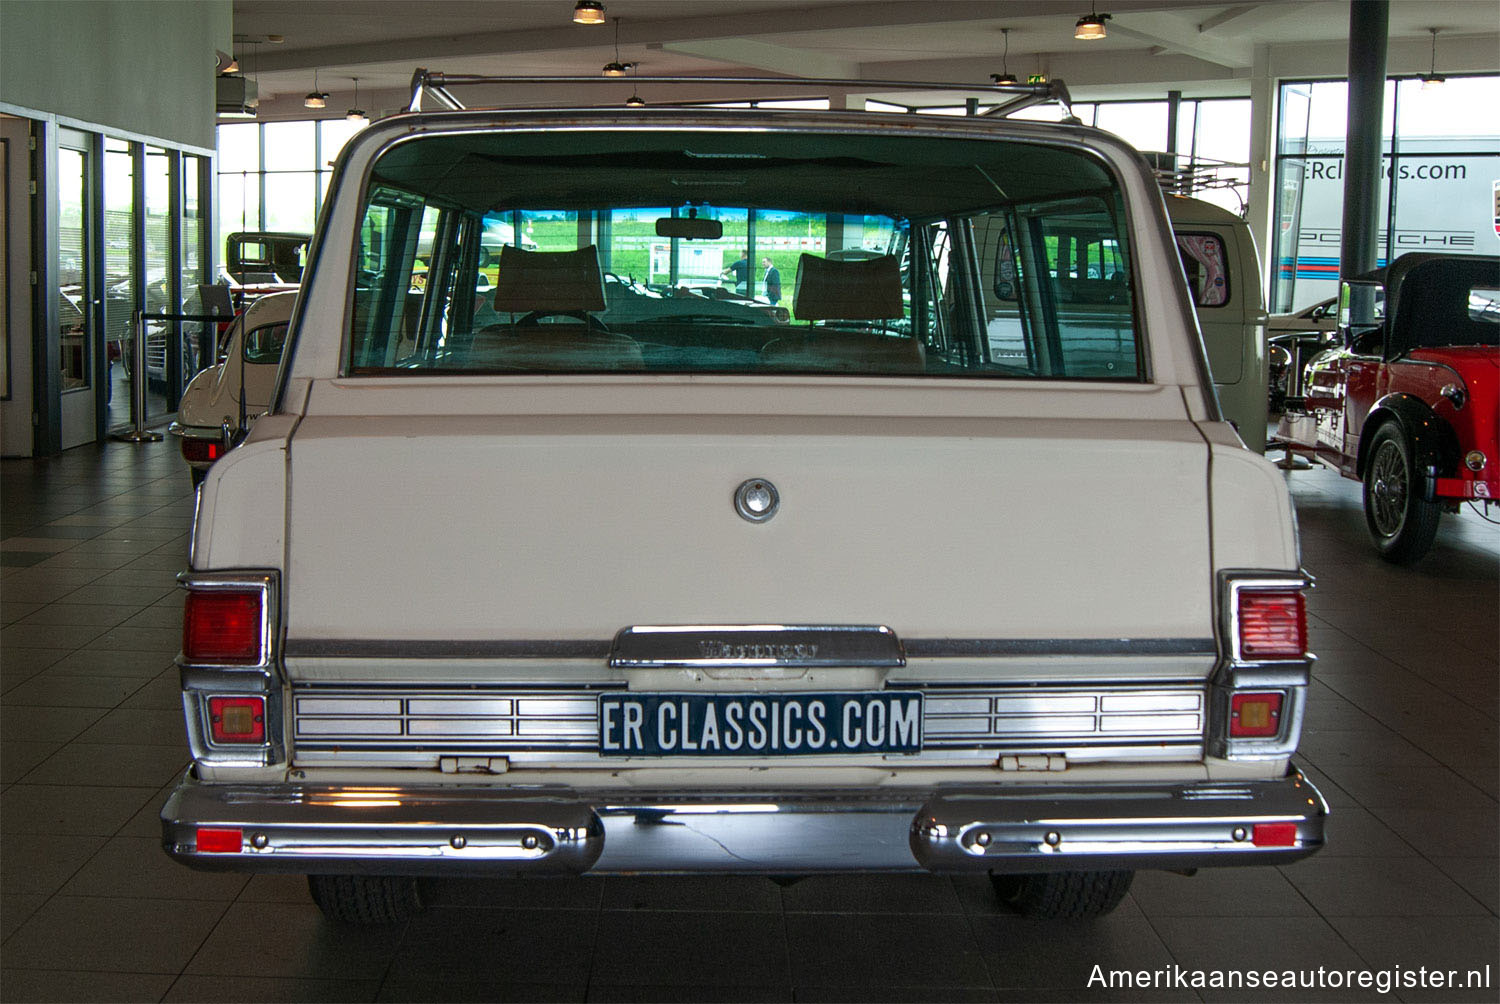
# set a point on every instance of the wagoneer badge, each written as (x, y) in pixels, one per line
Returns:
(756, 500)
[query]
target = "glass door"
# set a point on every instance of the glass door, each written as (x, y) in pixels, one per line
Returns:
(77, 293)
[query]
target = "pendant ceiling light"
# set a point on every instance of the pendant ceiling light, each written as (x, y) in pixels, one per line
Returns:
(1005, 76)
(1433, 79)
(588, 12)
(616, 68)
(355, 114)
(1091, 25)
(315, 98)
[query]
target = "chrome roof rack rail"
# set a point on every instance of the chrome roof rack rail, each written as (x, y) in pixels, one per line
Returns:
(1012, 97)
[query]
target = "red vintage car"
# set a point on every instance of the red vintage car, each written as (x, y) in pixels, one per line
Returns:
(1408, 402)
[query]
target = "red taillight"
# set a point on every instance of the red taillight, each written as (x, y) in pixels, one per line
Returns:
(201, 451)
(1274, 834)
(220, 840)
(237, 719)
(222, 626)
(1252, 715)
(1272, 623)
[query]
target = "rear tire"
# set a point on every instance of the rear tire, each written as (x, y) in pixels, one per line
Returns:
(1401, 522)
(366, 899)
(1063, 895)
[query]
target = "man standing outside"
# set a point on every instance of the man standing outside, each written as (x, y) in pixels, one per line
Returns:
(741, 271)
(772, 280)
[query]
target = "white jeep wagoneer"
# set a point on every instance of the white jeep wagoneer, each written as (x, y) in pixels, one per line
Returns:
(949, 566)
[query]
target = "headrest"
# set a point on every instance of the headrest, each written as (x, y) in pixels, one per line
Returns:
(561, 281)
(866, 289)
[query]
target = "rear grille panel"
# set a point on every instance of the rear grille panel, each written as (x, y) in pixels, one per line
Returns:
(357, 724)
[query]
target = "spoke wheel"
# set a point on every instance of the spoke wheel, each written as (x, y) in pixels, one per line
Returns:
(1401, 522)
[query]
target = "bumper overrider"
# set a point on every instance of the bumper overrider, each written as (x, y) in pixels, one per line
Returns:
(474, 830)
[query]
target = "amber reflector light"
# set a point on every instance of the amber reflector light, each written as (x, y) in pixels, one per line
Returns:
(1273, 624)
(237, 719)
(219, 840)
(222, 626)
(1255, 715)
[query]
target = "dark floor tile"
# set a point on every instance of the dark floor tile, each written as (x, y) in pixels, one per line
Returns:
(549, 893)
(1479, 877)
(101, 614)
(1219, 892)
(16, 658)
(121, 935)
(1259, 943)
(1378, 786)
(1375, 887)
(64, 810)
(697, 893)
(144, 726)
(192, 989)
(1354, 832)
(12, 611)
(1462, 945)
(68, 636)
(903, 894)
(130, 665)
(443, 991)
(39, 863)
(18, 757)
(645, 947)
(163, 693)
(23, 559)
(117, 594)
(123, 764)
(688, 993)
(1022, 953)
(15, 907)
(164, 642)
(138, 868)
(498, 946)
(903, 995)
(276, 889)
(856, 950)
(1460, 829)
(305, 945)
(18, 985)
(47, 691)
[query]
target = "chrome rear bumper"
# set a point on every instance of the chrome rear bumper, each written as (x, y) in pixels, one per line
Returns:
(470, 830)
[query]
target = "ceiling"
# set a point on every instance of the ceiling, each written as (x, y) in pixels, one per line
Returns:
(1201, 48)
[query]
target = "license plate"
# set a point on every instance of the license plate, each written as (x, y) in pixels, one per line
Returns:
(797, 724)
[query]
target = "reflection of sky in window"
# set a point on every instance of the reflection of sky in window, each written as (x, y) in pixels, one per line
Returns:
(239, 147)
(1464, 106)
(1142, 124)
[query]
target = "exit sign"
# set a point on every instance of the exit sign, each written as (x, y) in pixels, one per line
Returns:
(1036, 78)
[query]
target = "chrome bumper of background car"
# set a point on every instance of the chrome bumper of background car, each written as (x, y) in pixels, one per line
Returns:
(458, 830)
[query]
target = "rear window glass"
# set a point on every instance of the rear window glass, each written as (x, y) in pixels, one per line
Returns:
(1207, 274)
(735, 253)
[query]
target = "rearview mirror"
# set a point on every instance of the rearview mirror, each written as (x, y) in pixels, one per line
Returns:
(690, 228)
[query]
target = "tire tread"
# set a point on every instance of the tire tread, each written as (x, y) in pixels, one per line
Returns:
(366, 899)
(1064, 895)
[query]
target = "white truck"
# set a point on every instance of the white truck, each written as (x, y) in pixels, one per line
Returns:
(498, 588)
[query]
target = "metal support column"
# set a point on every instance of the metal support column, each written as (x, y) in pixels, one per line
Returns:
(1368, 21)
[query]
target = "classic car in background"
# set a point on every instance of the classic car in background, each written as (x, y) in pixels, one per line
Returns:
(220, 403)
(589, 585)
(1223, 270)
(1407, 403)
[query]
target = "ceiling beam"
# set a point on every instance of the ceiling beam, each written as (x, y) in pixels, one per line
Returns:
(765, 56)
(1176, 34)
(1239, 19)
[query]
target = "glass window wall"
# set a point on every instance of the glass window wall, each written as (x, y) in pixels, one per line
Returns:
(1439, 162)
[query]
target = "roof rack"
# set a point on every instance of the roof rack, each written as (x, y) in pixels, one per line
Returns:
(1014, 97)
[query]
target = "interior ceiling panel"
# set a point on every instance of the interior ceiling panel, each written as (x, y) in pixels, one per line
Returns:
(381, 42)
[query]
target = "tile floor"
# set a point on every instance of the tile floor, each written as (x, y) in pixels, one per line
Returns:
(1402, 738)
